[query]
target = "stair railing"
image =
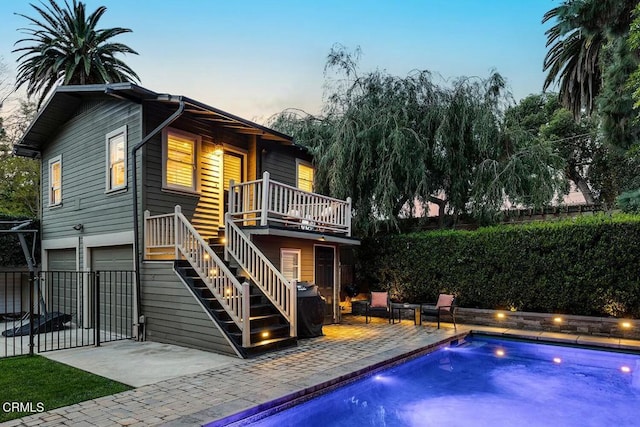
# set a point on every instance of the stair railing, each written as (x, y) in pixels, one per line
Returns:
(230, 293)
(280, 291)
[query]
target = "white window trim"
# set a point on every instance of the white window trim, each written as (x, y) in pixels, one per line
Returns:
(298, 252)
(196, 152)
(305, 163)
(54, 160)
(111, 135)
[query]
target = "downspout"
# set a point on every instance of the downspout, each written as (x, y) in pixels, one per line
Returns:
(136, 227)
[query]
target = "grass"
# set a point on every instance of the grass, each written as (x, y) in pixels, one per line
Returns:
(37, 379)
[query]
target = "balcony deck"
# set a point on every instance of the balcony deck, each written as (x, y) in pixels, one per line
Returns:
(265, 206)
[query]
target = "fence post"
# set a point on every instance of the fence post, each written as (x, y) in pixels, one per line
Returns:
(97, 309)
(32, 284)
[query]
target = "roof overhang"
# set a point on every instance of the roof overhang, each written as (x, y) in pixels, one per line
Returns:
(64, 102)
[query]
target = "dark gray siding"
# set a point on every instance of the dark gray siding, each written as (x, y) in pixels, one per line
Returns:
(280, 161)
(281, 166)
(172, 314)
(81, 142)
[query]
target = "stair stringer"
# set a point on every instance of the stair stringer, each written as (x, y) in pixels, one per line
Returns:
(236, 348)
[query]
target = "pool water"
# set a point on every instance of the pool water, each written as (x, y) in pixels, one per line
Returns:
(485, 382)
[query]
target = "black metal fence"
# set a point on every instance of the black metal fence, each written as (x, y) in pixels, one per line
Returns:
(54, 310)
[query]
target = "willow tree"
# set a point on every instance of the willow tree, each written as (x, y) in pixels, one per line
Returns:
(393, 142)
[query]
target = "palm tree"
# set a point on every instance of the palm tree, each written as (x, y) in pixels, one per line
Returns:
(64, 47)
(576, 41)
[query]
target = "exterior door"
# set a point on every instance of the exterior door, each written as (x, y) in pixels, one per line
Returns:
(233, 165)
(325, 278)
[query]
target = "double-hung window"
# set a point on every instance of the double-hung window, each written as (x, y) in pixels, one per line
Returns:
(117, 159)
(290, 263)
(304, 175)
(55, 181)
(180, 160)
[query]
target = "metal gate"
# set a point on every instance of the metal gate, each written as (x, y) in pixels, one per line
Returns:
(64, 309)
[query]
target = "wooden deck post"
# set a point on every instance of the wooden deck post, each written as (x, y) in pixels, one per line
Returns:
(176, 230)
(347, 216)
(246, 313)
(265, 199)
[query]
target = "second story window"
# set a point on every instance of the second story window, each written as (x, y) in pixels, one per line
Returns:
(117, 159)
(55, 181)
(304, 175)
(180, 166)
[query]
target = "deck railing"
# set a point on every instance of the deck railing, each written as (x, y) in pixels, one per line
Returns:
(280, 291)
(175, 231)
(264, 201)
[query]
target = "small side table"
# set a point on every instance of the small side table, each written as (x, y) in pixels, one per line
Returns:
(417, 312)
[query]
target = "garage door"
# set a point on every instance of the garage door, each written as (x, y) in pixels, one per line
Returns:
(115, 265)
(62, 283)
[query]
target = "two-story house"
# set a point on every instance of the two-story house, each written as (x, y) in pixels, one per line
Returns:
(215, 214)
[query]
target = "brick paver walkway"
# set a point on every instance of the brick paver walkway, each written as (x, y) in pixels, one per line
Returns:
(196, 399)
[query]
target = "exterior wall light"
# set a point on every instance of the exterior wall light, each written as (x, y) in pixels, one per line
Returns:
(557, 319)
(626, 325)
(500, 315)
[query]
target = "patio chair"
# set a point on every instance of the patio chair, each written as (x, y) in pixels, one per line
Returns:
(444, 306)
(378, 302)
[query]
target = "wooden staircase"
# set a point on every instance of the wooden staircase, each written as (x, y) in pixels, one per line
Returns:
(269, 330)
(250, 300)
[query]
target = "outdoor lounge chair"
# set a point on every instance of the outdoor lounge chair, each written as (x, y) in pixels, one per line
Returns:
(378, 302)
(445, 305)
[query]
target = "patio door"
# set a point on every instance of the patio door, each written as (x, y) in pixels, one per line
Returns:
(233, 168)
(324, 261)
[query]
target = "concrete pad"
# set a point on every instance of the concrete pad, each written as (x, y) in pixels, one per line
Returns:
(140, 363)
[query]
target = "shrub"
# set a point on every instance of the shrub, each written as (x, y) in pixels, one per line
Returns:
(586, 265)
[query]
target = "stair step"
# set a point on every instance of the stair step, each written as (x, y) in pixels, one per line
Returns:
(266, 346)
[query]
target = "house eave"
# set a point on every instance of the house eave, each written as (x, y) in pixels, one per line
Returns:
(61, 106)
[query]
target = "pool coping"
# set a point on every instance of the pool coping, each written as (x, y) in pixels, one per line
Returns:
(588, 341)
(246, 417)
(263, 410)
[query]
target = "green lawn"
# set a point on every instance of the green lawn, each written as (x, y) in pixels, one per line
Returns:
(37, 379)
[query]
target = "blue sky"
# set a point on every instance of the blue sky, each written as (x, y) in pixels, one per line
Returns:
(255, 58)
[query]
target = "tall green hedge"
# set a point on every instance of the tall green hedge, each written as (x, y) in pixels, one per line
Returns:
(587, 266)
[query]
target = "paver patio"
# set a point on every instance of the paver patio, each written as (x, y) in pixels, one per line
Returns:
(200, 398)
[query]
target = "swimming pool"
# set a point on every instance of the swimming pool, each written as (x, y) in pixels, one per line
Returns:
(485, 382)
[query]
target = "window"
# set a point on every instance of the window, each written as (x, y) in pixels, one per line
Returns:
(117, 159)
(180, 167)
(304, 175)
(290, 263)
(55, 181)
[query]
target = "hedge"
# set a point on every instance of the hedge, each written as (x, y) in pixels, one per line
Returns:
(587, 265)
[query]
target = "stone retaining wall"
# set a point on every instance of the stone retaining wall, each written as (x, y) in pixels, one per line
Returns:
(548, 322)
(586, 325)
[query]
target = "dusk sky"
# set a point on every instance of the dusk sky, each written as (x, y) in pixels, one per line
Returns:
(256, 58)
